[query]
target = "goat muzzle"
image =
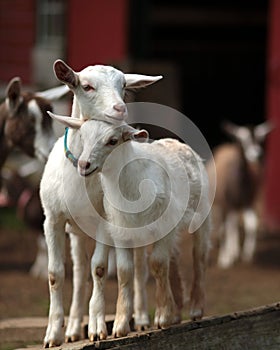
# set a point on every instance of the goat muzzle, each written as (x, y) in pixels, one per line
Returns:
(83, 164)
(84, 168)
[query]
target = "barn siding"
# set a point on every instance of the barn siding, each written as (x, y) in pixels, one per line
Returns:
(272, 195)
(17, 35)
(101, 37)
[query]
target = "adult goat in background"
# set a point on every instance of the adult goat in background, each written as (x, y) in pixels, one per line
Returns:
(239, 173)
(25, 125)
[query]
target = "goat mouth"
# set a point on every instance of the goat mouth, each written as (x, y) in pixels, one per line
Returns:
(85, 173)
(121, 117)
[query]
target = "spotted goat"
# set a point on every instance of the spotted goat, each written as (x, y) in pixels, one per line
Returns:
(24, 125)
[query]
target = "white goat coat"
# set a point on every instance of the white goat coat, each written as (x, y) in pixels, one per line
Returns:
(63, 190)
(73, 204)
(151, 193)
(170, 196)
(68, 197)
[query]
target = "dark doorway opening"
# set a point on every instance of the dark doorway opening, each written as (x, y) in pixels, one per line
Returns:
(219, 48)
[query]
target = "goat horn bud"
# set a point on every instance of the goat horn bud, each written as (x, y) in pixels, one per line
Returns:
(68, 121)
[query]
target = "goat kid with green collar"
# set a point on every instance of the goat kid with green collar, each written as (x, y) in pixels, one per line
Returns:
(98, 94)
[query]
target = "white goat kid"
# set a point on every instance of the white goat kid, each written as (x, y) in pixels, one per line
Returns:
(99, 91)
(98, 94)
(176, 172)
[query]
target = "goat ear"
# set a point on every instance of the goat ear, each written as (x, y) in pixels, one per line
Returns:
(141, 136)
(136, 81)
(230, 128)
(13, 94)
(262, 130)
(129, 133)
(65, 74)
(67, 121)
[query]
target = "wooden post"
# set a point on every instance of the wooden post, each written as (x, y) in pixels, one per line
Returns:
(272, 190)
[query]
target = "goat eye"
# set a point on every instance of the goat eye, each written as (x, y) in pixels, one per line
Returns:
(124, 85)
(88, 88)
(112, 142)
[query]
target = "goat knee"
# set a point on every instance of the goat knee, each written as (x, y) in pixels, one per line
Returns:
(157, 267)
(56, 279)
(98, 271)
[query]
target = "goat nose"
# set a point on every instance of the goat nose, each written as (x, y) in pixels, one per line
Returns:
(83, 164)
(120, 107)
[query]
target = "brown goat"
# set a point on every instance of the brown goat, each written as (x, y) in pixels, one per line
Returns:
(24, 124)
(239, 176)
(18, 193)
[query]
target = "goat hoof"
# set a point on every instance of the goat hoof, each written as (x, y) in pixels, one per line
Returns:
(121, 327)
(95, 337)
(72, 338)
(75, 337)
(119, 334)
(68, 340)
(141, 328)
(52, 344)
(177, 319)
(92, 337)
(196, 314)
(141, 321)
(102, 336)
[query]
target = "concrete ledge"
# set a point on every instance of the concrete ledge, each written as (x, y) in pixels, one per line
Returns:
(22, 329)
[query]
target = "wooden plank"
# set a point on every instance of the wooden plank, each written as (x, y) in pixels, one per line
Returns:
(256, 329)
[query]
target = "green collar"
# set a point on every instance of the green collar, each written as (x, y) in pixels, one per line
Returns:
(67, 152)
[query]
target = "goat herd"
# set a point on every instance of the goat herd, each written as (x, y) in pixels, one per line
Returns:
(104, 180)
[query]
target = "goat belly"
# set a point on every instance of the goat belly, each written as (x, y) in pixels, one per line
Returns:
(30, 210)
(241, 191)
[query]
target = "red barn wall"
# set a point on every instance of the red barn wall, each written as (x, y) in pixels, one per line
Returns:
(97, 32)
(272, 198)
(17, 35)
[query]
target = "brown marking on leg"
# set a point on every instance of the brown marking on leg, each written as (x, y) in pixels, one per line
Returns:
(100, 271)
(52, 279)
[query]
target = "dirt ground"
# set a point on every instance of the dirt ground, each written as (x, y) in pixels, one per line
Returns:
(241, 287)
